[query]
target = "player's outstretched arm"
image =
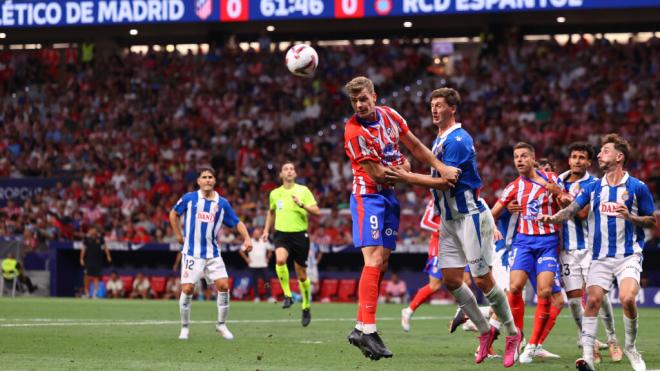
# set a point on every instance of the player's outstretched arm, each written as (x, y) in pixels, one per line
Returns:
(423, 154)
(398, 174)
(562, 215)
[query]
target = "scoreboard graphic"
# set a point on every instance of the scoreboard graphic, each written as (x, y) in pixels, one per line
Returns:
(51, 13)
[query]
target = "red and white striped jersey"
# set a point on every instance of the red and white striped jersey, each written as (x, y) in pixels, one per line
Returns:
(431, 222)
(376, 141)
(534, 200)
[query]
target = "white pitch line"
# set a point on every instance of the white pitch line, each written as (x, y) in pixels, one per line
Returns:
(42, 322)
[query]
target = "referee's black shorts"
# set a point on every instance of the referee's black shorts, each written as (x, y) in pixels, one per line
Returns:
(296, 243)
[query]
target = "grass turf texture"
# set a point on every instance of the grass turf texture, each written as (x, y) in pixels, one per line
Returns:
(39, 334)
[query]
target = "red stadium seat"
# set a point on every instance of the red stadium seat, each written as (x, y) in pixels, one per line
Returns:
(328, 290)
(383, 286)
(347, 289)
(105, 279)
(276, 288)
(158, 285)
(294, 285)
(128, 283)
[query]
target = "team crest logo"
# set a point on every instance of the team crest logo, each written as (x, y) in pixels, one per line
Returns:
(214, 208)
(532, 210)
(375, 234)
(203, 8)
(625, 196)
(575, 189)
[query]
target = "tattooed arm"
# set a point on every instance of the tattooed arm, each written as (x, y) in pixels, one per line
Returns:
(561, 216)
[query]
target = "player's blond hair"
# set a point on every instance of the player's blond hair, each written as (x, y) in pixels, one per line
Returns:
(359, 83)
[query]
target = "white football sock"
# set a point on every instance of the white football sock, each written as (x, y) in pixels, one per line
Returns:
(606, 315)
(576, 310)
(223, 306)
(498, 301)
(184, 309)
(359, 326)
(589, 328)
(466, 300)
(630, 324)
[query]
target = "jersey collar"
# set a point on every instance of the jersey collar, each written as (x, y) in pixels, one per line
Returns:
(623, 180)
(364, 122)
(566, 174)
(456, 126)
(215, 195)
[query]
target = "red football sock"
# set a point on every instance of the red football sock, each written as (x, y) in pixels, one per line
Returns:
(540, 319)
(368, 290)
(421, 297)
(554, 313)
(517, 305)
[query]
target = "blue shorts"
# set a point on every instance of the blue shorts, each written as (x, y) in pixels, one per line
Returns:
(536, 254)
(432, 267)
(375, 219)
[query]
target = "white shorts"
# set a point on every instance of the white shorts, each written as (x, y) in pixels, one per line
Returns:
(501, 269)
(604, 271)
(467, 240)
(193, 268)
(574, 268)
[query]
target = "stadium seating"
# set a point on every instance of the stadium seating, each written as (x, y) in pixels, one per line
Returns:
(128, 284)
(158, 285)
(328, 291)
(347, 291)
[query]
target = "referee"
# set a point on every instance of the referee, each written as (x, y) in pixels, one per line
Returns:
(289, 206)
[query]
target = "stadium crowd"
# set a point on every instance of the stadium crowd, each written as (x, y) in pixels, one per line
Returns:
(125, 132)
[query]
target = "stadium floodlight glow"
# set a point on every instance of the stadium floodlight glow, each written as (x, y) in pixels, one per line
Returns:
(270, 28)
(133, 32)
(3, 35)
(407, 24)
(561, 19)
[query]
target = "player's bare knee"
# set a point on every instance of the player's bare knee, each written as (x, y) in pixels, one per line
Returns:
(280, 262)
(187, 289)
(453, 284)
(485, 283)
(594, 302)
(557, 300)
(545, 292)
(627, 301)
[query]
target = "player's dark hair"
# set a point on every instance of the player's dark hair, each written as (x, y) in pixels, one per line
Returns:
(546, 161)
(451, 96)
(620, 144)
(582, 147)
(202, 169)
(356, 85)
(520, 145)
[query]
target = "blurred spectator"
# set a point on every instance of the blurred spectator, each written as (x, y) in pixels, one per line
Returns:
(114, 287)
(11, 269)
(91, 259)
(396, 290)
(257, 260)
(172, 288)
(141, 287)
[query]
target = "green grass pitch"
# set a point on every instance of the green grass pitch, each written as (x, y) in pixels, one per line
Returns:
(48, 334)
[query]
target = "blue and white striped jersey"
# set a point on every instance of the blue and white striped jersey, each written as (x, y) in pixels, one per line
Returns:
(455, 148)
(576, 230)
(610, 236)
(202, 220)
